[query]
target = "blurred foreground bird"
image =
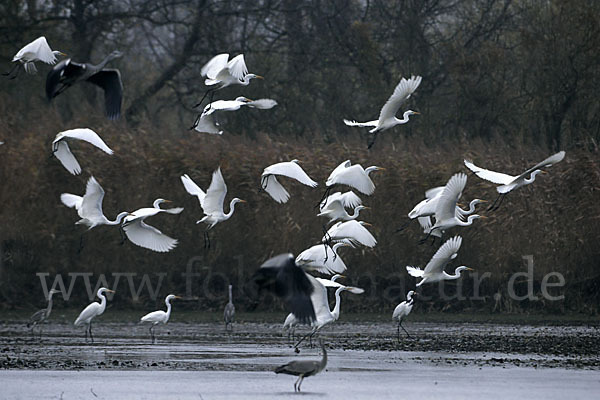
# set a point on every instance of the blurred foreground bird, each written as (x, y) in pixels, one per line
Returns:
(290, 169)
(38, 50)
(61, 149)
(92, 311)
(160, 316)
(387, 116)
(434, 270)
(303, 368)
(229, 312)
(144, 235)
(67, 73)
(211, 201)
(41, 315)
(206, 121)
(509, 183)
(402, 310)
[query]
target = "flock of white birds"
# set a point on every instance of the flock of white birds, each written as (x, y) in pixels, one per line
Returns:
(439, 212)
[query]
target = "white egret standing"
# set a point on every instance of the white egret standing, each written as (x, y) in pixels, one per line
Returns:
(387, 116)
(144, 235)
(61, 149)
(89, 207)
(508, 182)
(351, 175)
(402, 310)
(211, 201)
(41, 315)
(290, 169)
(206, 121)
(92, 311)
(303, 368)
(38, 50)
(160, 316)
(221, 72)
(434, 270)
(229, 312)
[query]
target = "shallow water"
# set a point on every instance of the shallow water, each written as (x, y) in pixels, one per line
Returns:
(202, 361)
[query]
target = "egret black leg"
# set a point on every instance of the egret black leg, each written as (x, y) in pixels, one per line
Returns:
(403, 226)
(493, 206)
(372, 140)
(80, 244)
(123, 236)
(264, 182)
(91, 336)
(398, 332)
(206, 240)
(11, 71)
(323, 200)
(86, 333)
(400, 324)
(196, 122)
(433, 240)
(501, 200)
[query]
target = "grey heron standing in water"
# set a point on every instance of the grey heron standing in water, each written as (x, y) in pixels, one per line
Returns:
(229, 312)
(41, 315)
(67, 73)
(303, 368)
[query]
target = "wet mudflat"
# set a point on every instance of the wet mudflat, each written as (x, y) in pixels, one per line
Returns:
(201, 360)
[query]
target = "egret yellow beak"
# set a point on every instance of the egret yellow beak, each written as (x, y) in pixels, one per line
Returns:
(110, 291)
(178, 297)
(416, 112)
(243, 201)
(470, 269)
(168, 201)
(367, 224)
(483, 216)
(483, 201)
(380, 169)
(259, 77)
(544, 172)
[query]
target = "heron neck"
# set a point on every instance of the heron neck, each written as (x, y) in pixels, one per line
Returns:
(532, 177)
(102, 302)
(232, 204)
(469, 220)
(323, 359)
(355, 213)
(168, 308)
(336, 310)
(118, 220)
(49, 308)
(230, 295)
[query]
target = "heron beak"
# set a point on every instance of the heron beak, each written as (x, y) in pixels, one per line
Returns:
(483, 201)
(460, 204)
(470, 269)
(342, 276)
(544, 172)
(62, 54)
(367, 208)
(243, 201)
(367, 224)
(168, 201)
(380, 169)
(110, 291)
(178, 297)
(483, 216)
(259, 77)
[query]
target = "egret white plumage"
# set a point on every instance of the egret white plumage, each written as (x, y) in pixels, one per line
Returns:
(446, 214)
(348, 199)
(320, 302)
(211, 201)
(67, 73)
(303, 368)
(38, 50)
(350, 175)
(206, 121)
(61, 149)
(434, 270)
(335, 208)
(290, 169)
(387, 116)
(91, 311)
(402, 310)
(291, 322)
(350, 232)
(42, 315)
(146, 236)
(323, 259)
(160, 316)
(509, 183)
(89, 207)
(229, 312)
(221, 72)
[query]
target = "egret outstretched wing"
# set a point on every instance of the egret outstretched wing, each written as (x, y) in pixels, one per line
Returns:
(86, 135)
(66, 158)
(402, 92)
(446, 204)
(492, 176)
(291, 170)
(215, 195)
(214, 66)
(443, 256)
(192, 188)
(553, 159)
(91, 206)
(237, 67)
(148, 236)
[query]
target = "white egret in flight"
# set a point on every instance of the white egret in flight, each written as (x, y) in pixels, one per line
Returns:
(146, 236)
(211, 201)
(508, 182)
(402, 310)
(350, 232)
(290, 169)
(67, 73)
(446, 214)
(229, 312)
(221, 72)
(38, 50)
(320, 302)
(335, 207)
(41, 315)
(160, 316)
(434, 270)
(206, 121)
(89, 207)
(351, 175)
(61, 149)
(303, 368)
(92, 311)
(387, 116)
(323, 259)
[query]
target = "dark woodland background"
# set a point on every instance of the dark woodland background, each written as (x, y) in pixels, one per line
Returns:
(505, 83)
